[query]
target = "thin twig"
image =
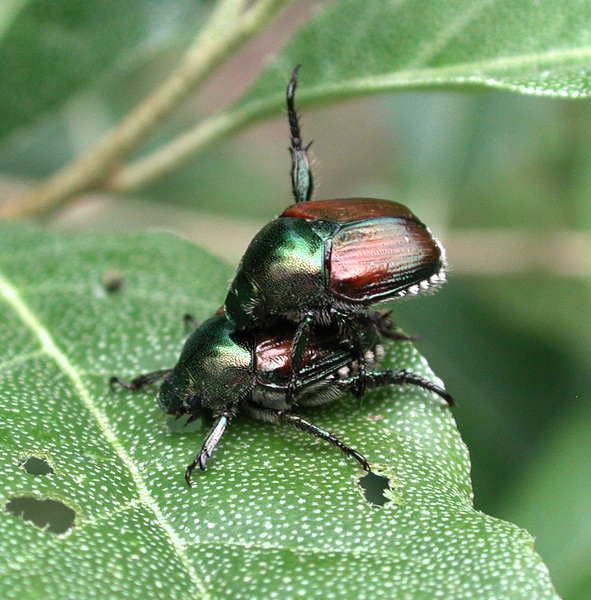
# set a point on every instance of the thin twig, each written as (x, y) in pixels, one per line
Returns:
(229, 27)
(174, 154)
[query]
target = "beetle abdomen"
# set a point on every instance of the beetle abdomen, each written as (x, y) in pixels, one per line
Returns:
(380, 250)
(377, 259)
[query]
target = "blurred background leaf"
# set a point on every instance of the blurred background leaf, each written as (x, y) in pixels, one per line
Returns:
(50, 51)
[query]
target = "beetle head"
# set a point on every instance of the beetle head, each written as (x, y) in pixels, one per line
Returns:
(214, 370)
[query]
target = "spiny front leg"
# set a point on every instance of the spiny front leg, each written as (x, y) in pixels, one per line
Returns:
(211, 441)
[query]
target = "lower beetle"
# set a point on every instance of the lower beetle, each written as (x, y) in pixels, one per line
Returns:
(223, 372)
(328, 261)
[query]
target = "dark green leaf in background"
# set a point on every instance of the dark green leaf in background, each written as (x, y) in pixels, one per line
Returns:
(277, 514)
(559, 484)
(51, 50)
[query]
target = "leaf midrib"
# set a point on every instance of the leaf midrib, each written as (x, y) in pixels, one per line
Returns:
(480, 71)
(27, 316)
(433, 46)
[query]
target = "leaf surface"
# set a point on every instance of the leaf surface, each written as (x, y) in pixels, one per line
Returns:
(357, 47)
(277, 514)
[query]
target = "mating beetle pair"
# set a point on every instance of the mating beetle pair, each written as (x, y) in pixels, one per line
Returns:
(296, 328)
(327, 261)
(223, 371)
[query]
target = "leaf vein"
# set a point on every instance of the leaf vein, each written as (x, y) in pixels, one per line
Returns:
(430, 49)
(20, 358)
(27, 316)
(482, 71)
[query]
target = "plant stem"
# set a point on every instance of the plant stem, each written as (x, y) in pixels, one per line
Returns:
(229, 27)
(172, 155)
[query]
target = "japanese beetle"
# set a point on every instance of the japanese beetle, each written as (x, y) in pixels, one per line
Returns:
(223, 372)
(328, 261)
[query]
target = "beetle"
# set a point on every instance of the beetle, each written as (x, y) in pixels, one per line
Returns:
(329, 261)
(223, 372)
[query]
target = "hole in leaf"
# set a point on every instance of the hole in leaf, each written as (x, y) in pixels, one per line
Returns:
(373, 487)
(50, 515)
(37, 466)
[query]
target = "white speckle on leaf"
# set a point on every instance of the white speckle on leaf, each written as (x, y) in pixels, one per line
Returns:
(276, 515)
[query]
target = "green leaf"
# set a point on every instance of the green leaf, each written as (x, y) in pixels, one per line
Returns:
(51, 49)
(277, 514)
(558, 484)
(357, 47)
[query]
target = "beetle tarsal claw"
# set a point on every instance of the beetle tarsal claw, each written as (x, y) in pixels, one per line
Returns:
(189, 472)
(203, 456)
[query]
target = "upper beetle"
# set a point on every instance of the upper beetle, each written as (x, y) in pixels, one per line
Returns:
(330, 260)
(223, 372)
(333, 257)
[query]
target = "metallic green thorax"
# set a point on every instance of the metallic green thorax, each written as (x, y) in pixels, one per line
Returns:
(286, 260)
(216, 365)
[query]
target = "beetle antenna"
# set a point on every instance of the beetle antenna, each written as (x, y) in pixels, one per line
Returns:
(191, 378)
(141, 381)
(302, 182)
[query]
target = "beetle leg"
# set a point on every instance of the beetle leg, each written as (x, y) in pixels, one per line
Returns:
(358, 352)
(211, 441)
(391, 377)
(301, 173)
(306, 426)
(291, 388)
(298, 349)
(361, 377)
(386, 326)
(141, 381)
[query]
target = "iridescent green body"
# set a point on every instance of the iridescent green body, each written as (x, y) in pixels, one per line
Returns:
(333, 257)
(223, 372)
(223, 368)
(281, 272)
(215, 366)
